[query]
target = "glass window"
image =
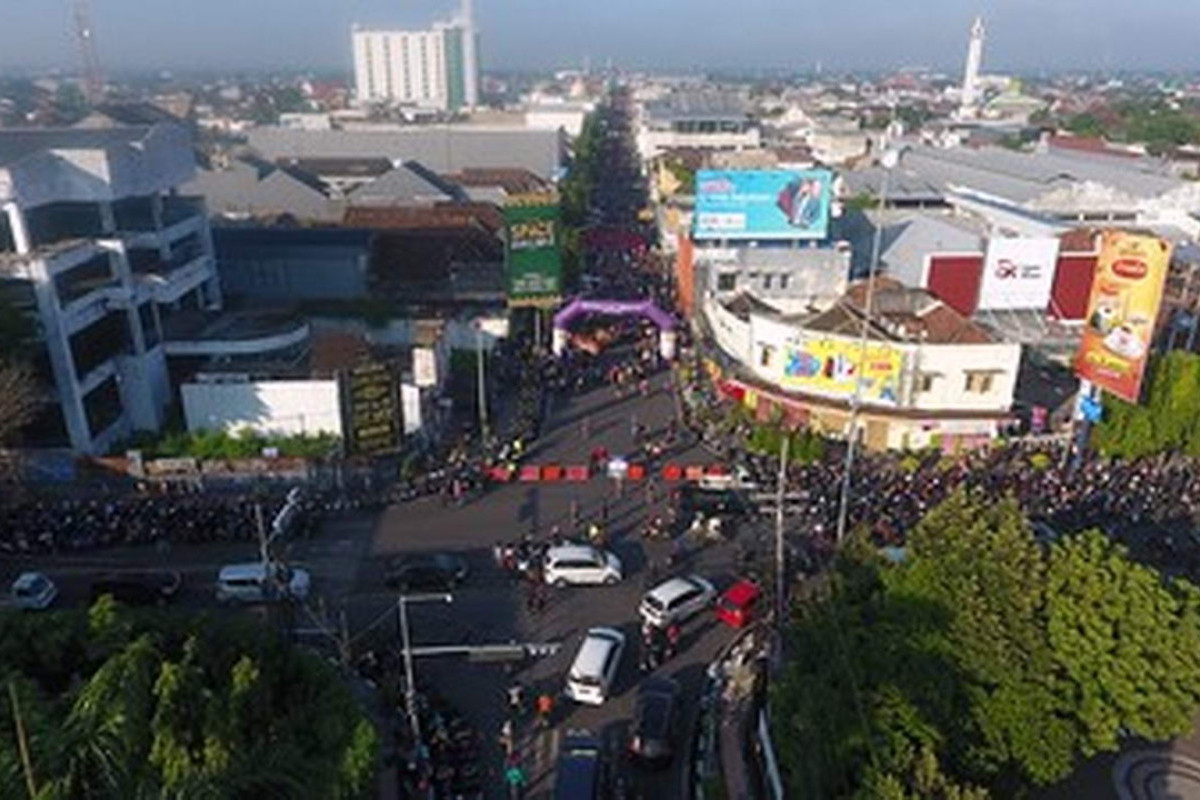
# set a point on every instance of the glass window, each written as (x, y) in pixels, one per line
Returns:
(727, 281)
(925, 382)
(979, 382)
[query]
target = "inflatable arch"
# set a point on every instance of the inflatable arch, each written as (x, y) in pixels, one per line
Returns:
(616, 308)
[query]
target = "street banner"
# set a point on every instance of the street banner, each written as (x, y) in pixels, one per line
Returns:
(830, 367)
(1122, 309)
(532, 252)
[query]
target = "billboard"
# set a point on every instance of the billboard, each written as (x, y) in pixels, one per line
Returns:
(1121, 312)
(762, 204)
(372, 410)
(829, 367)
(1018, 273)
(532, 255)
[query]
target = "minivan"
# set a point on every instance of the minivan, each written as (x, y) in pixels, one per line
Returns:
(676, 599)
(596, 665)
(581, 564)
(248, 583)
(578, 775)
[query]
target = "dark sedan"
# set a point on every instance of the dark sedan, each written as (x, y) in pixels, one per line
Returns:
(435, 571)
(151, 587)
(655, 720)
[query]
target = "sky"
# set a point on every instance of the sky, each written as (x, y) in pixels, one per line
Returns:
(1023, 35)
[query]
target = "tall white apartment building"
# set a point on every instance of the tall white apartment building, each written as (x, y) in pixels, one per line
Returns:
(436, 68)
(98, 247)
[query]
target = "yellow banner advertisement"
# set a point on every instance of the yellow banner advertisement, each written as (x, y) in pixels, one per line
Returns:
(1126, 293)
(831, 366)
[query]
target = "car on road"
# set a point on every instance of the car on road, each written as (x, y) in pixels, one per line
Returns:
(581, 564)
(676, 599)
(655, 721)
(738, 606)
(33, 591)
(438, 571)
(146, 588)
(252, 582)
(596, 665)
(579, 774)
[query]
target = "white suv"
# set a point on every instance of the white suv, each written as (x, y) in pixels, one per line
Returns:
(595, 668)
(581, 564)
(676, 599)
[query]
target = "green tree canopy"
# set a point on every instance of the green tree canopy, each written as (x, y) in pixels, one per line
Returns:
(116, 705)
(983, 664)
(1168, 420)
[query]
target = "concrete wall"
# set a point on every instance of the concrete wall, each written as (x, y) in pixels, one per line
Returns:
(952, 362)
(276, 407)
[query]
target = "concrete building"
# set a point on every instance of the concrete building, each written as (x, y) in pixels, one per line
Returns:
(566, 116)
(109, 255)
(436, 68)
(706, 120)
(250, 188)
(931, 377)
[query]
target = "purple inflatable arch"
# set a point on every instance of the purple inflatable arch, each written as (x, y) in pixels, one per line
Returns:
(578, 307)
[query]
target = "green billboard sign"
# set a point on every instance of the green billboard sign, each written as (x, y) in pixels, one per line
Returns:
(532, 250)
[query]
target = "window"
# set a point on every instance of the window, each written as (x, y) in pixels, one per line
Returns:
(925, 381)
(783, 280)
(726, 281)
(979, 382)
(766, 278)
(766, 355)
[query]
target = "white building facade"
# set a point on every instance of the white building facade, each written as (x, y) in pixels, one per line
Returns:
(107, 255)
(435, 69)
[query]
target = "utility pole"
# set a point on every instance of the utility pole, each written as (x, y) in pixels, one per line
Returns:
(780, 580)
(888, 161)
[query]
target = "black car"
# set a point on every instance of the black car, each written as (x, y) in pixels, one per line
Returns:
(697, 500)
(151, 587)
(655, 720)
(440, 571)
(579, 773)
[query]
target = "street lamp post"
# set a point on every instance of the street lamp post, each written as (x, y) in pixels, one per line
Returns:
(481, 379)
(888, 161)
(780, 585)
(410, 688)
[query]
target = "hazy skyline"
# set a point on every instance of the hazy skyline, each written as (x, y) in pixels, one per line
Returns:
(1023, 35)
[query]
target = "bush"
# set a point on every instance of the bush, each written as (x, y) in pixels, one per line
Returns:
(246, 443)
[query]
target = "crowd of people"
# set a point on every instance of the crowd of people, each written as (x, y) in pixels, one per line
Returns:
(162, 516)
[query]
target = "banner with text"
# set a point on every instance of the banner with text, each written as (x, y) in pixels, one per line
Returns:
(1122, 309)
(533, 259)
(1018, 273)
(830, 367)
(763, 204)
(372, 410)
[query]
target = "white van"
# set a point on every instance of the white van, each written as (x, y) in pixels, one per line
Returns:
(596, 665)
(676, 599)
(581, 564)
(248, 583)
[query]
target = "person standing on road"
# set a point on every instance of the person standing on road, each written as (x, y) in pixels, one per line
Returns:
(545, 709)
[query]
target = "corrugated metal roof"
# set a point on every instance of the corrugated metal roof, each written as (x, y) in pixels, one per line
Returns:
(440, 148)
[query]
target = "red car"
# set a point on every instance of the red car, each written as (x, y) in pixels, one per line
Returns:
(738, 606)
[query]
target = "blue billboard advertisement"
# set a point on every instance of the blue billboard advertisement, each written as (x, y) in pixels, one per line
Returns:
(762, 204)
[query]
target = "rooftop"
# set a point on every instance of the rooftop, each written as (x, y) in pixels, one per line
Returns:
(441, 148)
(699, 105)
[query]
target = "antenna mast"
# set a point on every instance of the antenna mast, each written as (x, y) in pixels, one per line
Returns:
(93, 75)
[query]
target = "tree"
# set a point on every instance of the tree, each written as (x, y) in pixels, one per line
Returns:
(18, 399)
(1124, 641)
(983, 662)
(150, 706)
(1168, 420)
